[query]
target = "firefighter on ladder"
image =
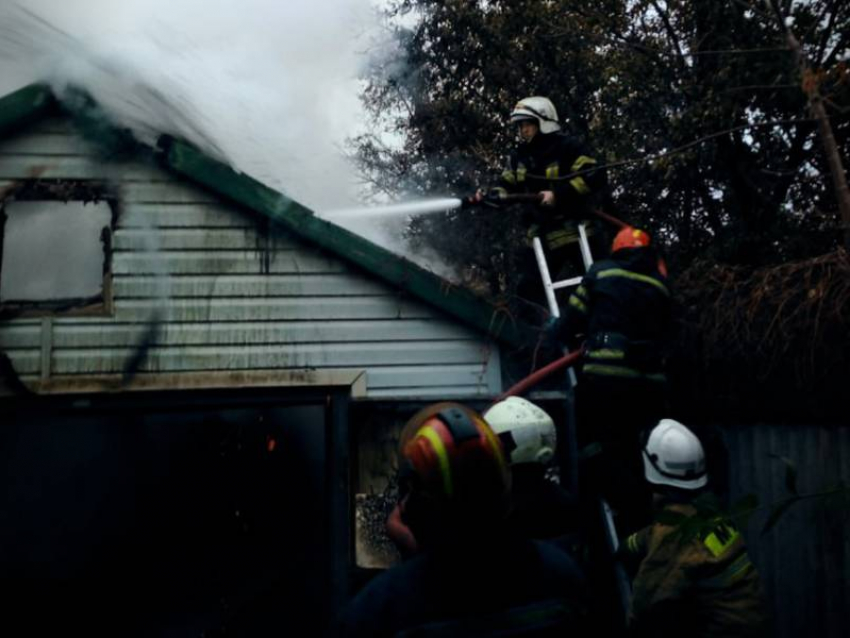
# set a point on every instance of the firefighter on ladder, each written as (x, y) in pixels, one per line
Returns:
(622, 312)
(566, 176)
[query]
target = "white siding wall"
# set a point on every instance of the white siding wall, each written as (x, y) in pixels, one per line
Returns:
(230, 298)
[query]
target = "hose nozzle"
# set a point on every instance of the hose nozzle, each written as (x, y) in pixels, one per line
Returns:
(498, 197)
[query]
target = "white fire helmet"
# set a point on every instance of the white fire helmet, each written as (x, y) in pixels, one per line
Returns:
(526, 431)
(673, 456)
(537, 108)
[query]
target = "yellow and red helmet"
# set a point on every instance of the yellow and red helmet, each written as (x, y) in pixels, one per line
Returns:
(630, 237)
(452, 458)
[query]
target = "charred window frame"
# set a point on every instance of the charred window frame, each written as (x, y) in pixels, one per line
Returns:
(83, 192)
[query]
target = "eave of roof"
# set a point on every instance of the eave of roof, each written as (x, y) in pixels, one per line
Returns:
(33, 102)
(25, 106)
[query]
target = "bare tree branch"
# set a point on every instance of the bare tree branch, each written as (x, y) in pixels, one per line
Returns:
(830, 147)
(671, 32)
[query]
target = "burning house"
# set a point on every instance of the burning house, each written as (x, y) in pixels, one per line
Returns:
(198, 376)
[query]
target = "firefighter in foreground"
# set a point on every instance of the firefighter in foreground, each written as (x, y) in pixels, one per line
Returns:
(622, 313)
(697, 584)
(470, 574)
(568, 179)
(542, 509)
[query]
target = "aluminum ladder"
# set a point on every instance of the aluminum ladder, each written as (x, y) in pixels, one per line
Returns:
(621, 578)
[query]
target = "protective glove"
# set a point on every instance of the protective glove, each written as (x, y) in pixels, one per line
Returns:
(471, 201)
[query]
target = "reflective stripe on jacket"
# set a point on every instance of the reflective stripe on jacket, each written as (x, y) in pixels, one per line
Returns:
(705, 585)
(623, 308)
(558, 163)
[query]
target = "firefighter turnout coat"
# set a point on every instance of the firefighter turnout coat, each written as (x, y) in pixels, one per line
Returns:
(623, 308)
(704, 585)
(555, 162)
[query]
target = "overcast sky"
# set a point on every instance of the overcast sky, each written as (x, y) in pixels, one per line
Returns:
(270, 85)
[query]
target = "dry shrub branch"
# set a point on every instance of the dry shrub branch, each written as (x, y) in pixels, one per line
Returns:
(769, 331)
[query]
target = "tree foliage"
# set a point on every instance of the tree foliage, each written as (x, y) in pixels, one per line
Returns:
(701, 112)
(699, 109)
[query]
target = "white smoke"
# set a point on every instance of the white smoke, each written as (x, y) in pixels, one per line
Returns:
(270, 87)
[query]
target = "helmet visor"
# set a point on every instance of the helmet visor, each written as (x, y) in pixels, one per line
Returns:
(516, 118)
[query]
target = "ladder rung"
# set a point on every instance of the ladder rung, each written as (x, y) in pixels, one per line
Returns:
(566, 283)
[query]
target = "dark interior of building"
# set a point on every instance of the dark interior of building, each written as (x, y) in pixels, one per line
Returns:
(198, 516)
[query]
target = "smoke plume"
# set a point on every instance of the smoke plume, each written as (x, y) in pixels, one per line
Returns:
(270, 87)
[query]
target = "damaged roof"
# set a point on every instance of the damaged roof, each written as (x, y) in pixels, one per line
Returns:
(34, 102)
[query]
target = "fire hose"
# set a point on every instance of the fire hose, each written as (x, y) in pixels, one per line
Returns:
(538, 375)
(496, 199)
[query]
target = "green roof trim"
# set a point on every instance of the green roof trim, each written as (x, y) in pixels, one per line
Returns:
(25, 106)
(33, 102)
(299, 220)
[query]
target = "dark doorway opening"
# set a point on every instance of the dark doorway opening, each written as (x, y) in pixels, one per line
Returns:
(192, 515)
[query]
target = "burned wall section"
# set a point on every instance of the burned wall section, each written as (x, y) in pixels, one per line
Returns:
(56, 247)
